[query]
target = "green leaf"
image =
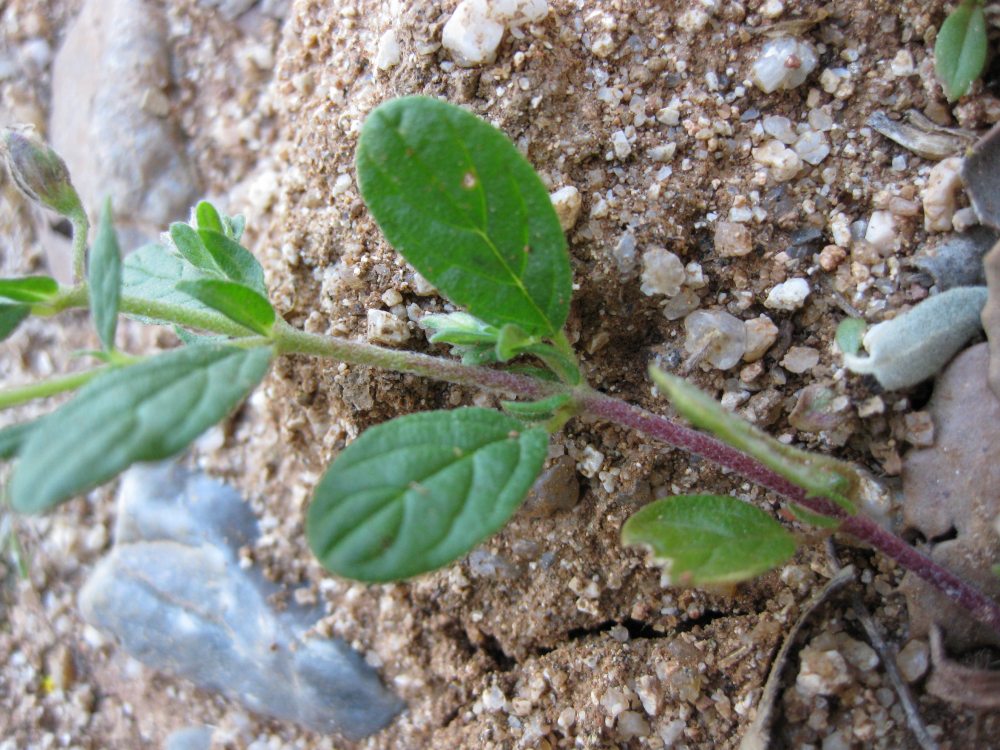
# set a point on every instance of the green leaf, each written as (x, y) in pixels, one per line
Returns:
(13, 437)
(459, 328)
(563, 366)
(512, 341)
(416, 493)
(29, 289)
(807, 516)
(11, 317)
(820, 476)
(536, 411)
(709, 539)
(849, 335)
(235, 261)
(104, 277)
(234, 226)
(239, 303)
(960, 49)
(207, 217)
(153, 274)
(459, 202)
(192, 249)
(145, 412)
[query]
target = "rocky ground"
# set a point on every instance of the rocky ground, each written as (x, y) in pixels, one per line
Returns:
(786, 211)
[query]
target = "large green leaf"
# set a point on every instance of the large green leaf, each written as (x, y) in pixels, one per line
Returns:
(29, 289)
(11, 317)
(709, 539)
(459, 202)
(143, 412)
(960, 49)
(104, 277)
(415, 493)
(239, 303)
(152, 274)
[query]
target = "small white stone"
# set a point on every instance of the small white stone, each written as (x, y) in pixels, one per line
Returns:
(772, 9)
(821, 672)
(800, 359)
(902, 64)
(614, 701)
(391, 297)
(761, 333)
(820, 121)
(694, 276)
(624, 253)
(684, 302)
(619, 142)
(783, 63)
(780, 128)
(472, 34)
(783, 163)
(342, 184)
(943, 184)
(422, 287)
(837, 81)
(669, 116)
(385, 328)
(566, 201)
(721, 336)
(493, 698)
(693, 20)
(632, 724)
(664, 152)
(732, 240)
(788, 296)
(603, 45)
(840, 229)
(913, 660)
(812, 147)
(388, 54)
(662, 273)
(964, 219)
(881, 231)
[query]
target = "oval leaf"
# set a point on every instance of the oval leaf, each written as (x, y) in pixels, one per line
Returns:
(29, 289)
(207, 217)
(192, 249)
(12, 438)
(144, 412)
(415, 493)
(104, 277)
(709, 539)
(960, 49)
(459, 202)
(239, 303)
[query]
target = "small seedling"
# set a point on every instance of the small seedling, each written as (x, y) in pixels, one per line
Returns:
(462, 205)
(960, 49)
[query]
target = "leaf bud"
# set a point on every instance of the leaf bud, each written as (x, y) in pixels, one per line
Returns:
(39, 172)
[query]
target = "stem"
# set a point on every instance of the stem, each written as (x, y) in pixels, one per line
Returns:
(290, 340)
(81, 227)
(981, 607)
(42, 389)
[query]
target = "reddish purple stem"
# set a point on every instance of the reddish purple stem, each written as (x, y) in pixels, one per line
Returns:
(981, 607)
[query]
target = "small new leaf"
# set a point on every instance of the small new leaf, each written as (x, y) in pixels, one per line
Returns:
(235, 261)
(459, 328)
(239, 303)
(459, 202)
(11, 317)
(104, 277)
(849, 335)
(705, 540)
(207, 217)
(416, 493)
(192, 249)
(144, 412)
(820, 476)
(536, 411)
(29, 289)
(960, 49)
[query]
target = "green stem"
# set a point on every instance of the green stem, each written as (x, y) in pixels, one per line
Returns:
(81, 227)
(44, 388)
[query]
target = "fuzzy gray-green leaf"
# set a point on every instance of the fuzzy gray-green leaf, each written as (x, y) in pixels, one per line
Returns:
(104, 278)
(234, 260)
(143, 412)
(239, 303)
(704, 540)
(416, 493)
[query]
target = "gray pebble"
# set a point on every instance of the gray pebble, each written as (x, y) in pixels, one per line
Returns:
(958, 259)
(173, 592)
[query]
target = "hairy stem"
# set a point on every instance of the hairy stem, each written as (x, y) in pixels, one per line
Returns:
(981, 607)
(81, 227)
(44, 388)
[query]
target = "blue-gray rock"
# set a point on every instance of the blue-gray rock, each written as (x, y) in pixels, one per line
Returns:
(112, 118)
(173, 592)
